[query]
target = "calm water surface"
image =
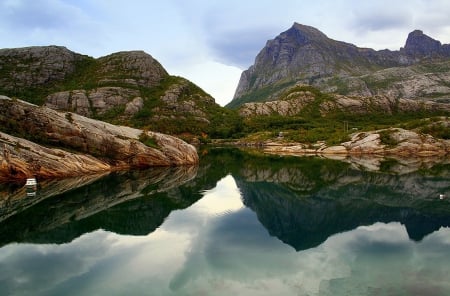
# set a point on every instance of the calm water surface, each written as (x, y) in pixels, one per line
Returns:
(239, 223)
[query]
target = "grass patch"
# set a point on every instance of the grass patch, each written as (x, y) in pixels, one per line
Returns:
(259, 95)
(387, 139)
(438, 130)
(148, 140)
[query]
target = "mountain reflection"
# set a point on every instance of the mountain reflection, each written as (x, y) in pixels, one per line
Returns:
(302, 201)
(133, 203)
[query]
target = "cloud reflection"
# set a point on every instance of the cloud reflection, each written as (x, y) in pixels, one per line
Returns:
(217, 246)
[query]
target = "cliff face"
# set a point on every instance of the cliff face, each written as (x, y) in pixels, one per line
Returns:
(306, 55)
(129, 88)
(32, 67)
(106, 146)
(296, 101)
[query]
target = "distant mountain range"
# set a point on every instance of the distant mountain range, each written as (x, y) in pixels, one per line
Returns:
(304, 55)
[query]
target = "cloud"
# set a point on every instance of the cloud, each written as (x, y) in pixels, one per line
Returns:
(374, 16)
(374, 21)
(238, 48)
(187, 34)
(37, 268)
(386, 24)
(43, 15)
(49, 22)
(233, 31)
(53, 18)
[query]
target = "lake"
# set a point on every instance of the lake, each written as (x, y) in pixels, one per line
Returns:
(240, 223)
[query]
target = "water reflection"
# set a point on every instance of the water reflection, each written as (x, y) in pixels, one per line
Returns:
(304, 202)
(65, 209)
(239, 223)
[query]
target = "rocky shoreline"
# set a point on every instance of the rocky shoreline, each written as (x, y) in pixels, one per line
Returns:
(79, 145)
(400, 142)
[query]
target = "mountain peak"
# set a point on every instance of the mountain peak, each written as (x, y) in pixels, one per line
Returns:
(305, 55)
(305, 33)
(420, 44)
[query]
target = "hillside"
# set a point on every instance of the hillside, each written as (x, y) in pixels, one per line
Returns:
(128, 88)
(305, 55)
(304, 114)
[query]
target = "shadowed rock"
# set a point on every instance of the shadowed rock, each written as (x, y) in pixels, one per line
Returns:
(303, 54)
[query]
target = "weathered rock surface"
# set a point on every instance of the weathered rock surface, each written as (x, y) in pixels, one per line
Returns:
(303, 54)
(35, 66)
(290, 106)
(425, 80)
(21, 159)
(296, 101)
(401, 143)
(118, 147)
(187, 106)
(135, 68)
(96, 101)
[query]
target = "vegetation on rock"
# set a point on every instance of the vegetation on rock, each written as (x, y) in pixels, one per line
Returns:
(326, 117)
(128, 88)
(133, 89)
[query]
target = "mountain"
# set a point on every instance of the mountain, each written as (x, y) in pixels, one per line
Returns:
(130, 88)
(303, 54)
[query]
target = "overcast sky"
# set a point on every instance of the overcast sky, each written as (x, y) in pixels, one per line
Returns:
(211, 42)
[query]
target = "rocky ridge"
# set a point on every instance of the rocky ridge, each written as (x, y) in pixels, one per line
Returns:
(303, 54)
(100, 146)
(31, 67)
(297, 100)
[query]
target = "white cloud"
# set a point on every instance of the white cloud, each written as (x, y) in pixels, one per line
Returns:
(220, 85)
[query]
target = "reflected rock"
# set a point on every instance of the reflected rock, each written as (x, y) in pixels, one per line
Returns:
(60, 215)
(392, 164)
(303, 201)
(15, 200)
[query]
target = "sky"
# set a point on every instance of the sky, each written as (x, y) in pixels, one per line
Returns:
(210, 42)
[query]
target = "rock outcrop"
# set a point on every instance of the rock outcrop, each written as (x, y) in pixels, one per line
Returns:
(135, 68)
(387, 142)
(101, 146)
(296, 101)
(97, 101)
(420, 45)
(36, 66)
(303, 54)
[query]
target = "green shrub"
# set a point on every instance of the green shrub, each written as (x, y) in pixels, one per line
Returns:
(387, 139)
(148, 140)
(441, 131)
